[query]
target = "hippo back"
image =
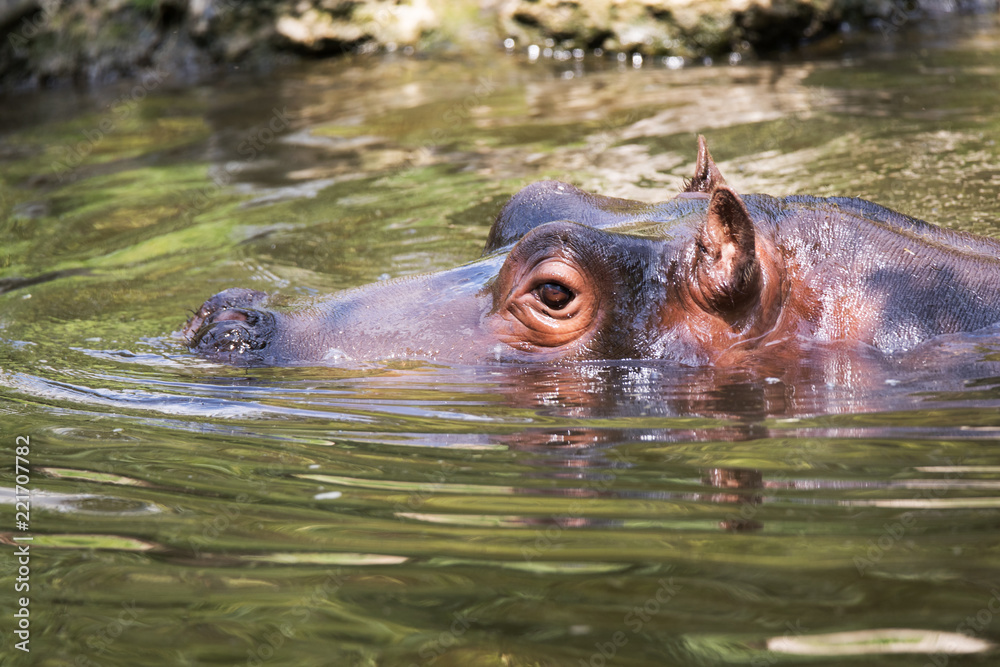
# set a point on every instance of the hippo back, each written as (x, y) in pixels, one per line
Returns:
(551, 201)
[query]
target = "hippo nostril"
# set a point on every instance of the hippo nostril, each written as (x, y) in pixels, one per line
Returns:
(226, 305)
(223, 336)
(232, 335)
(235, 339)
(238, 317)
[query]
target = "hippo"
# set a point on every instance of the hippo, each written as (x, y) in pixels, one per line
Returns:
(710, 277)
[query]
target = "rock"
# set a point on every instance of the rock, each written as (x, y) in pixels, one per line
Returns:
(52, 41)
(693, 28)
(387, 24)
(45, 42)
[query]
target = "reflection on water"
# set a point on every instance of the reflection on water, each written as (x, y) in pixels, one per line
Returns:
(418, 513)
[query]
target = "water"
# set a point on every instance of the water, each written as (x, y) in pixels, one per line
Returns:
(413, 513)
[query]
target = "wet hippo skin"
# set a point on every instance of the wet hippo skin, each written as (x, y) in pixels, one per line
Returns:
(709, 277)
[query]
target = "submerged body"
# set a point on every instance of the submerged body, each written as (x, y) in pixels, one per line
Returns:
(710, 277)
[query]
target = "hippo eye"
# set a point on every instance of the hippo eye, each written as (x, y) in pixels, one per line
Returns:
(544, 296)
(554, 295)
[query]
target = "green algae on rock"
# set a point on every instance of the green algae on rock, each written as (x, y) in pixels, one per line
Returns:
(44, 42)
(693, 28)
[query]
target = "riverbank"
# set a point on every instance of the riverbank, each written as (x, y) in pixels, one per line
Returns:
(53, 42)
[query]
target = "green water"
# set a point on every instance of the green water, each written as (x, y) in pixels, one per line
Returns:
(409, 513)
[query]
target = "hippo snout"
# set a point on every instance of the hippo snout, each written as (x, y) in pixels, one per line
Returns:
(229, 328)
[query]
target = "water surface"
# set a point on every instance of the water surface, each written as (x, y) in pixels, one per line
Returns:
(417, 513)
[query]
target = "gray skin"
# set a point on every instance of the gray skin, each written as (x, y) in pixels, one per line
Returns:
(709, 277)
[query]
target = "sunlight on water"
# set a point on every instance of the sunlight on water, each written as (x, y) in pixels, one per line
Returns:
(411, 512)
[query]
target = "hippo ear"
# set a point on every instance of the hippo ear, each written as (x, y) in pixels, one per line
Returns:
(707, 176)
(728, 273)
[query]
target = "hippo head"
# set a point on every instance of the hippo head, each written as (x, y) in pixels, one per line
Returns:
(564, 275)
